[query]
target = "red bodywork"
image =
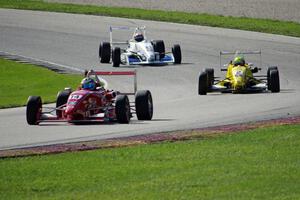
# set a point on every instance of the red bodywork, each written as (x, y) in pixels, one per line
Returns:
(87, 106)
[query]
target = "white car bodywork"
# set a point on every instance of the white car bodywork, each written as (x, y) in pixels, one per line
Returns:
(139, 53)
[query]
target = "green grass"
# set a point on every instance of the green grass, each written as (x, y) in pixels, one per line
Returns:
(259, 25)
(18, 81)
(257, 164)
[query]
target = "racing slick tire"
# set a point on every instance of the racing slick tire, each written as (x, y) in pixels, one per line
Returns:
(123, 109)
(210, 77)
(159, 46)
(143, 105)
(202, 83)
(268, 75)
(104, 52)
(33, 110)
(176, 50)
(62, 98)
(116, 56)
(274, 81)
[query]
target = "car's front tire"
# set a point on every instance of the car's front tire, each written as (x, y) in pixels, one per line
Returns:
(269, 77)
(274, 81)
(122, 109)
(33, 110)
(202, 83)
(210, 77)
(144, 105)
(159, 46)
(62, 98)
(176, 50)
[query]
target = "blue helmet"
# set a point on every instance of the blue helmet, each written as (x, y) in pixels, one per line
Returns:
(88, 83)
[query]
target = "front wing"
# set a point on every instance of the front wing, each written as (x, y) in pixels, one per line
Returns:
(252, 89)
(135, 60)
(46, 117)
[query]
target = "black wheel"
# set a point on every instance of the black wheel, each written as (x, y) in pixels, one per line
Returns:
(202, 83)
(122, 109)
(104, 52)
(210, 77)
(159, 46)
(144, 105)
(176, 50)
(33, 110)
(116, 57)
(268, 75)
(274, 81)
(62, 98)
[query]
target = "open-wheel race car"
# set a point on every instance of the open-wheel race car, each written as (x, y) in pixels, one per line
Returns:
(93, 102)
(138, 50)
(239, 76)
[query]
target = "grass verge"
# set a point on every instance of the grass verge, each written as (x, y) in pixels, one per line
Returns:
(256, 164)
(259, 25)
(18, 81)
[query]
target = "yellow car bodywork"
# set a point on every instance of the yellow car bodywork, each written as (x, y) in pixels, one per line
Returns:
(238, 78)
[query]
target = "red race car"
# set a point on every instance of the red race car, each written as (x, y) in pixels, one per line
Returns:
(93, 102)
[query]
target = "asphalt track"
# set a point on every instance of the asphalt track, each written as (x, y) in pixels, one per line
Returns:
(73, 40)
(287, 10)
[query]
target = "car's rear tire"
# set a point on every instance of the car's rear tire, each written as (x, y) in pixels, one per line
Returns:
(144, 105)
(104, 52)
(62, 98)
(159, 46)
(268, 76)
(116, 56)
(176, 50)
(210, 77)
(33, 110)
(123, 109)
(274, 81)
(202, 83)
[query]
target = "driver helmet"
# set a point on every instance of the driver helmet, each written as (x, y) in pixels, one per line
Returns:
(239, 60)
(88, 83)
(138, 37)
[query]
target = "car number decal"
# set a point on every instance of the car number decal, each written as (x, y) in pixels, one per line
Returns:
(238, 74)
(75, 97)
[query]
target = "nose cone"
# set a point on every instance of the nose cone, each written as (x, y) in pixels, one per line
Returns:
(69, 110)
(151, 56)
(73, 113)
(239, 83)
(239, 79)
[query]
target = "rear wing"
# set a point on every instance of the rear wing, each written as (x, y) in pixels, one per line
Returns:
(118, 73)
(126, 28)
(222, 53)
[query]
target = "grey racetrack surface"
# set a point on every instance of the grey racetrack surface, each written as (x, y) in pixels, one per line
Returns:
(286, 10)
(73, 40)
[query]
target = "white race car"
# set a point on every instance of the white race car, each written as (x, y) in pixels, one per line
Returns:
(138, 50)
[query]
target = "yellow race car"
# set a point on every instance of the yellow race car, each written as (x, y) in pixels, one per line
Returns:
(239, 77)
